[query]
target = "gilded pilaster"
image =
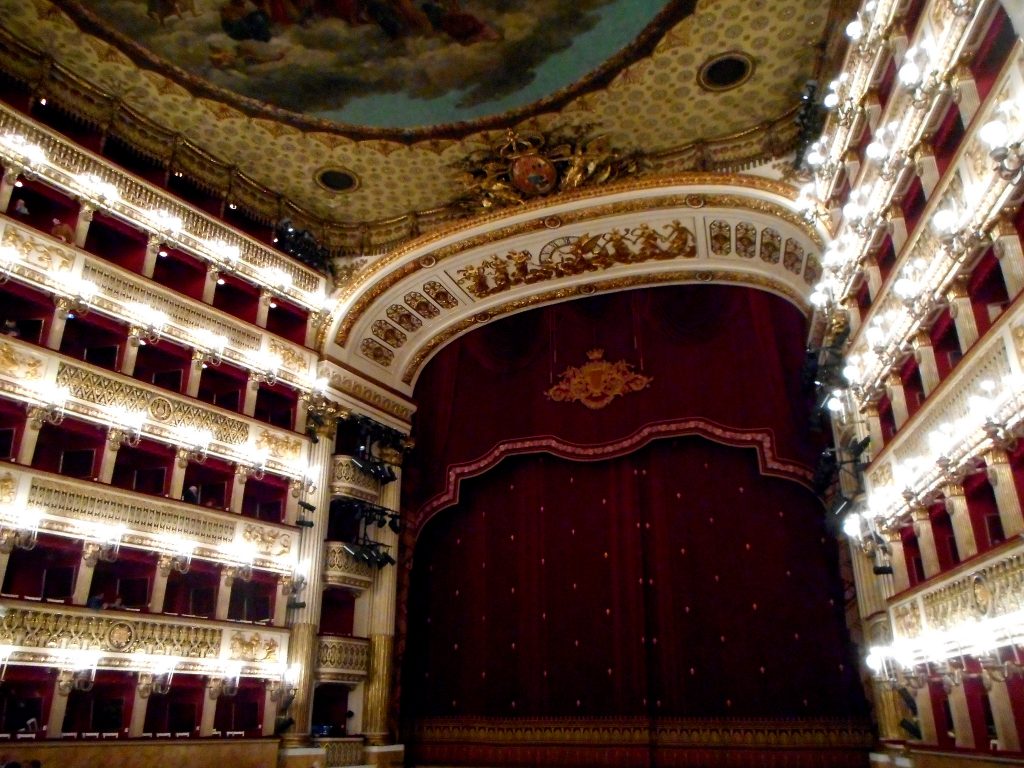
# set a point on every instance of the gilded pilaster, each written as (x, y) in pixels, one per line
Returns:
(926, 542)
(963, 315)
(959, 514)
(304, 645)
(302, 651)
(898, 560)
(1011, 257)
(1000, 477)
(378, 690)
(898, 399)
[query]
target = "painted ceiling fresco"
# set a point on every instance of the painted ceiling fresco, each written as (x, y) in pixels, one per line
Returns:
(379, 63)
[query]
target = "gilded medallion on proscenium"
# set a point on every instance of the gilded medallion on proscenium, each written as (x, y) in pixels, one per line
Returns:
(597, 382)
(403, 317)
(419, 304)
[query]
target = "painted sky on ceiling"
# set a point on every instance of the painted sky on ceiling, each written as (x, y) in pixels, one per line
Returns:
(384, 63)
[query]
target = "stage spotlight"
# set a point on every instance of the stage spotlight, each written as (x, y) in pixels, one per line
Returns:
(307, 506)
(296, 604)
(882, 570)
(303, 523)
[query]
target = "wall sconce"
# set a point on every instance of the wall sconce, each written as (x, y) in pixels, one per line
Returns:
(164, 222)
(255, 464)
(163, 676)
(103, 544)
(286, 686)
(305, 485)
(194, 444)
(955, 232)
(21, 527)
(79, 294)
(264, 367)
(5, 657)
(839, 102)
(224, 254)
(227, 683)
(240, 556)
(277, 278)
(79, 671)
(179, 554)
(147, 323)
(9, 256)
(49, 402)
(96, 189)
(1008, 154)
(210, 346)
(23, 150)
(920, 77)
(125, 427)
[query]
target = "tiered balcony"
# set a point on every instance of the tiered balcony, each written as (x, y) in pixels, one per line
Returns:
(343, 660)
(343, 570)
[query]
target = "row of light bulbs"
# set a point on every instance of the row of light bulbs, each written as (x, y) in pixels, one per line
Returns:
(220, 252)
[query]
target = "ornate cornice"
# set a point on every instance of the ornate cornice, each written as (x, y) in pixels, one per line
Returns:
(747, 193)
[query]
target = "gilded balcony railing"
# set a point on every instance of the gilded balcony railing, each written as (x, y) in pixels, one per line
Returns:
(343, 659)
(343, 751)
(79, 508)
(69, 637)
(343, 570)
(347, 479)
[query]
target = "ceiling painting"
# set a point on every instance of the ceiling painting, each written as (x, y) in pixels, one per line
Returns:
(389, 64)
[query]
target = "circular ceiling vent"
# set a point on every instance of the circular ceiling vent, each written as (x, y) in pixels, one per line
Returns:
(725, 71)
(337, 179)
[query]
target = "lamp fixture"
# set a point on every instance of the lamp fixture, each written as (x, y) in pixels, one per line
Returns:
(48, 403)
(124, 426)
(78, 671)
(76, 297)
(1004, 137)
(22, 150)
(95, 189)
(210, 346)
(147, 323)
(163, 221)
(193, 444)
(9, 256)
(264, 367)
(20, 526)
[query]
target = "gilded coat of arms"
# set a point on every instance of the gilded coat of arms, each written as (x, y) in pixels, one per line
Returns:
(598, 381)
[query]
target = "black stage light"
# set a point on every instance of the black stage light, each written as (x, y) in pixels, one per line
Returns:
(303, 523)
(882, 570)
(307, 506)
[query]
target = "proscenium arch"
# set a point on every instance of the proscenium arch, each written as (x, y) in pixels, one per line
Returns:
(709, 228)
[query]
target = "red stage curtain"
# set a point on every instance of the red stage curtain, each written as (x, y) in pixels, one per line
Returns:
(653, 595)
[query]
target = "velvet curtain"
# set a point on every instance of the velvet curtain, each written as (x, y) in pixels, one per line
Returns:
(578, 597)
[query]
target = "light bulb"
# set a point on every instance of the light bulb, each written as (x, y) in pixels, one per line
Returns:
(854, 30)
(994, 134)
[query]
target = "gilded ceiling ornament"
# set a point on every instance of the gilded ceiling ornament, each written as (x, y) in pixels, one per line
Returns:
(531, 164)
(597, 382)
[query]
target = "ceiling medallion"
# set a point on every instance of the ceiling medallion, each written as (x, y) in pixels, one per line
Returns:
(597, 382)
(725, 71)
(531, 164)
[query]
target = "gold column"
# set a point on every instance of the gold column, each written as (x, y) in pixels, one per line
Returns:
(304, 645)
(303, 650)
(378, 690)
(963, 531)
(377, 697)
(1000, 477)
(888, 711)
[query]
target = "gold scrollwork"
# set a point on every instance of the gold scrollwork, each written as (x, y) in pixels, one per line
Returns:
(253, 648)
(278, 446)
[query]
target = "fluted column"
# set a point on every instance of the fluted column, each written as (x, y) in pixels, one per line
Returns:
(898, 560)
(110, 448)
(889, 710)
(152, 254)
(227, 580)
(965, 91)
(960, 515)
(86, 569)
(926, 542)
(238, 488)
(7, 187)
(927, 169)
(143, 690)
(1002, 716)
(177, 484)
(898, 399)
(377, 699)
(872, 589)
(85, 214)
(58, 705)
(252, 389)
(30, 436)
(303, 647)
(210, 285)
(924, 354)
(962, 726)
(873, 275)
(1011, 257)
(897, 228)
(1000, 477)
(206, 719)
(874, 424)
(195, 373)
(160, 576)
(963, 315)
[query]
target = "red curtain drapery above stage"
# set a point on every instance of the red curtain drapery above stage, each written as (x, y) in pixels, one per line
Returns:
(724, 356)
